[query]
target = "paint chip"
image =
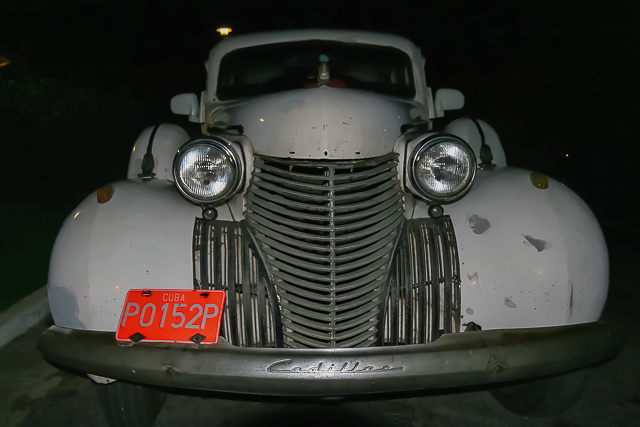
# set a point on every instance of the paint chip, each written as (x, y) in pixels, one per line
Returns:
(469, 311)
(540, 245)
(473, 278)
(478, 224)
(509, 303)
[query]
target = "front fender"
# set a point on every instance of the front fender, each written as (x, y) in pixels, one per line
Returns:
(141, 238)
(529, 257)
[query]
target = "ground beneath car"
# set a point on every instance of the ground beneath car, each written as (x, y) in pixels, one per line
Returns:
(36, 393)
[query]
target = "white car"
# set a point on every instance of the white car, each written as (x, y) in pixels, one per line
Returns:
(319, 239)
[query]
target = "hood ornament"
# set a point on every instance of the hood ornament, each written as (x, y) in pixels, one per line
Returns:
(323, 71)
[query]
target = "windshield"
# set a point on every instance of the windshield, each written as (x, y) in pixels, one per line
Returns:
(275, 68)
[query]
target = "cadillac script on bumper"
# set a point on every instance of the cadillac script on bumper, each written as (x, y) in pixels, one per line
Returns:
(285, 366)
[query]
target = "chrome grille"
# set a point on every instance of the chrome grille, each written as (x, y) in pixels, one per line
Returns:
(310, 268)
(327, 231)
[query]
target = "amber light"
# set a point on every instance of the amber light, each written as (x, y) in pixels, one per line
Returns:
(539, 180)
(4, 61)
(224, 31)
(105, 193)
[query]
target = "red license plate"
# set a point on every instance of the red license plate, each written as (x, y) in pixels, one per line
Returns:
(171, 316)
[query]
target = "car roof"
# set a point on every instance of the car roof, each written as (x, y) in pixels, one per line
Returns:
(234, 42)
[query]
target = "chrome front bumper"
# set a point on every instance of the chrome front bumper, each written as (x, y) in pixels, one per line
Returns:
(469, 358)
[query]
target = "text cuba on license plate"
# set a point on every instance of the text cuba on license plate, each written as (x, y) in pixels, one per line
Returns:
(171, 315)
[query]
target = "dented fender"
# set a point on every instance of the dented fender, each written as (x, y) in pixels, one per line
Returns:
(529, 256)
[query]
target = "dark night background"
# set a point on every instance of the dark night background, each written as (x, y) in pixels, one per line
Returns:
(553, 78)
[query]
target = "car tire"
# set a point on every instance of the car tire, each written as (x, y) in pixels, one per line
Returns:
(130, 405)
(542, 397)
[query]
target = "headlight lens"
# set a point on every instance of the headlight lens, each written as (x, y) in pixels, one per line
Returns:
(207, 171)
(442, 168)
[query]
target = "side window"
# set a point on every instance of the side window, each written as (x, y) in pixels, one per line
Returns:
(399, 77)
(227, 79)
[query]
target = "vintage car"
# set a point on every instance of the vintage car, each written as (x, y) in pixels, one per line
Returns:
(319, 238)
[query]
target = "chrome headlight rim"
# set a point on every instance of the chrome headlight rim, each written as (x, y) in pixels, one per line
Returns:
(224, 147)
(428, 142)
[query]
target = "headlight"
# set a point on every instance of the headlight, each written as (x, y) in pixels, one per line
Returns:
(442, 168)
(207, 171)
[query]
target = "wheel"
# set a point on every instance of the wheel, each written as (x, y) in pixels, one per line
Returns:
(542, 397)
(130, 405)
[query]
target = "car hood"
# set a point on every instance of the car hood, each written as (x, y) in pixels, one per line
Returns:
(321, 123)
